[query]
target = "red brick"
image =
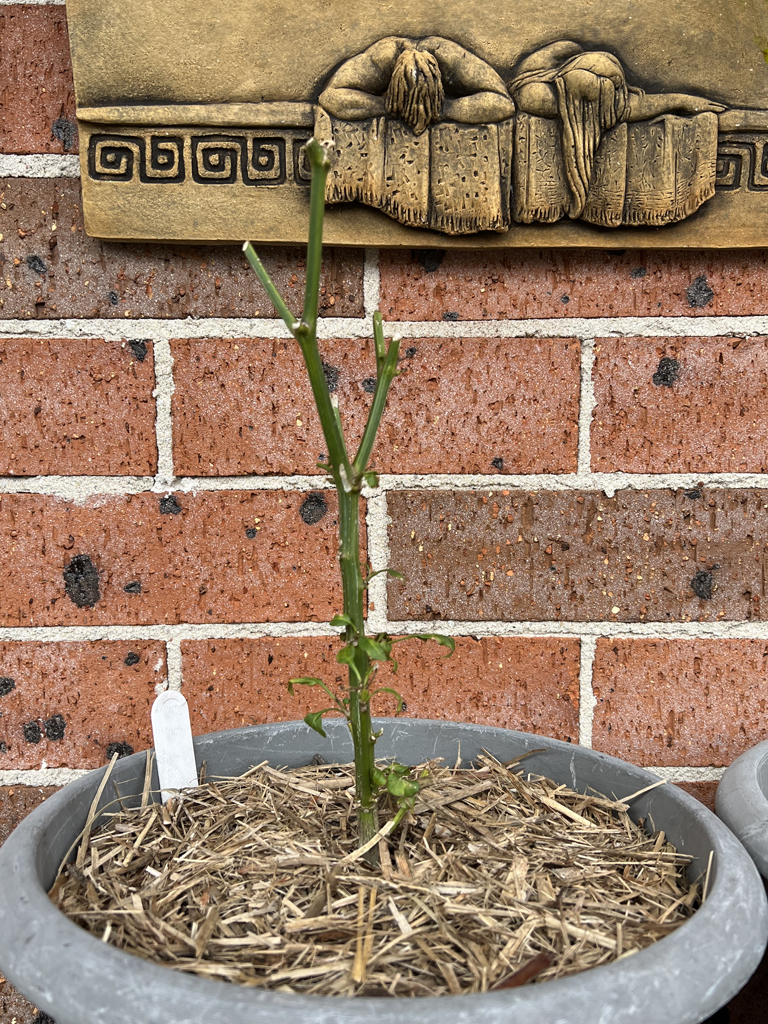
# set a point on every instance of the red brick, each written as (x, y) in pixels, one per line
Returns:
(196, 565)
(76, 407)
(245, 406)
(527, 684)
(476, 285)
(100, 699)
(712, 419)
(37, 88)
(680, 702)
(704, 792)
(16, 802)
(511, 555)
(87, 278)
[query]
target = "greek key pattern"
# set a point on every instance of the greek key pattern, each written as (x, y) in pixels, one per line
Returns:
(240, 157)
(742, 162)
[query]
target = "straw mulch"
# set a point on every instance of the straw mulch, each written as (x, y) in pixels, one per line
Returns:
(496, 879)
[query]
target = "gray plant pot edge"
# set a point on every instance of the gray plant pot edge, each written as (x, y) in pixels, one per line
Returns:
(63, 969)
(742, 802)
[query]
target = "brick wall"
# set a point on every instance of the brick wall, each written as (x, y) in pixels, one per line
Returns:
(574, 480)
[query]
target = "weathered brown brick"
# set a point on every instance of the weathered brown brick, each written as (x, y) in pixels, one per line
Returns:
(528, 684)
(468, 285)
(641, 555)
(76, 407)
(459, 406)
(16, 802)
(55, 270)
(71, 700)
(37, 96)
(677, 405)
(703, 791)
(680, 702)
(229, 556)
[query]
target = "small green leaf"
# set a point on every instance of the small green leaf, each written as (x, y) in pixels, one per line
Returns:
(388, 689)
(392, 573)
(342, 620)
(371, 479)
(399, 769)
(444, 641)
(401, 787)
(378, 777)
(303, 681)
(346, 656)
(315, 720)
(375, 650)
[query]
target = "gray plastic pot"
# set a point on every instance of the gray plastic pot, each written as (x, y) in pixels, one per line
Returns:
(742, 803)
(682, 979)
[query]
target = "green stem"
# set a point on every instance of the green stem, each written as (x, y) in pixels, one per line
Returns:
(386, 375)
(275, 297)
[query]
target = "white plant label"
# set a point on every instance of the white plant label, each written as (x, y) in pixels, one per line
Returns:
(175, 754)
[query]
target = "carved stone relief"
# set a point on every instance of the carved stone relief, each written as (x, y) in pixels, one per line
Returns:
(443, 142)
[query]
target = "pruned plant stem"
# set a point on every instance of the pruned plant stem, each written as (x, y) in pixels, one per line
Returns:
(348, 477)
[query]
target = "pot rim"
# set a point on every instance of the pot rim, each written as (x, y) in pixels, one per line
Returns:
(742, 802)
(731, 929)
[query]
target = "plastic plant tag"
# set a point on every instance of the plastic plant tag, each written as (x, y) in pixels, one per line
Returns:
(176, 768)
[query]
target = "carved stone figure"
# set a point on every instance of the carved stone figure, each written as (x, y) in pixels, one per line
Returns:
(588, 145)
(427, 132)
(422, 129)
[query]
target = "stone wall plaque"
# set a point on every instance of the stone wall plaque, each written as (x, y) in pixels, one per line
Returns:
(471, 123)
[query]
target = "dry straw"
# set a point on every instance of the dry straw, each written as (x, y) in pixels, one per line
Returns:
(496, 879)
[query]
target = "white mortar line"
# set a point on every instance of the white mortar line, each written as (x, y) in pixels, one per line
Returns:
(362, 327)
(163, 392)
(173, 661)
(371, 282)
(587, 403)
(183, 631)
(377, 523)
(80, 488)
(39, 165)
(587, 700)
(681, 774)
(39, 776)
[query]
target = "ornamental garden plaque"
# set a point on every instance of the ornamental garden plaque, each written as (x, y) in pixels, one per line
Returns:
(471, 123)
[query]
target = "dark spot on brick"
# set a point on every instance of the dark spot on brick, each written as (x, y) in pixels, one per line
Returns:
(667, 372)
(65, 131)
(37, 410)
(331, 374)
(270, 659)
(36, 265)
(565, 546)
(321, 456)
(210, 689)
(3, 747)
(32, 732)
(638, 272)
(410, 352)
(498, 463)
(134, 587)
(54, 727)
(114, 298)
(81, 581)
(565, 299)
(169, 506)
(369, 385)
(121, 749)
(699, 293)
(6, 685)
(693, 495)
(702, 585)
(430, 259)
(139, 348)
(132, 658)
(313, 508)
(450, 315)
(250, 532)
